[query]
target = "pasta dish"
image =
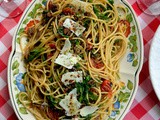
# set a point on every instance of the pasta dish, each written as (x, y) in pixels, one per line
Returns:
(72, 59)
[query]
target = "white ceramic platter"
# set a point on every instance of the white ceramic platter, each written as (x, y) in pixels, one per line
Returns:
(129, 69)
(154, 62)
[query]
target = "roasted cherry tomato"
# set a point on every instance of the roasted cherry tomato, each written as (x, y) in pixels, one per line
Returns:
(52, 46)
(31, 24)
(68, 11)
(96, 63)
(106, 86)
(125, 26)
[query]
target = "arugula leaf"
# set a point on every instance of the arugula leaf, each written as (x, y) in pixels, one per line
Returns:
(24, 75)
(83, 90)
(111, 2)
(87, 79)
(77, 66)
(88, 117)
(51, 79)
(96, 10)
(99, 13)
(86, 23)
(52, 101)
(61, 32)
(92, 96)
(103, 17)
(34, 53)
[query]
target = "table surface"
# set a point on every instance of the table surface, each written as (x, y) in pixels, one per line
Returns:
(145, 106)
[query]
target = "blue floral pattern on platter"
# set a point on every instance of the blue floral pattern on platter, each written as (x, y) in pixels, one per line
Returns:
(19, 80)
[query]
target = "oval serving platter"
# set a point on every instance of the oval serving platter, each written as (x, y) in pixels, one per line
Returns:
(130, 66)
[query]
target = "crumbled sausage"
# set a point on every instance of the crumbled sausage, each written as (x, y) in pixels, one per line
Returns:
(31, 31)
(67, 31)
(52, 7)
(53, 115)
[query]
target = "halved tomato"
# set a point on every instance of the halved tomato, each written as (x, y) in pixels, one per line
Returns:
(124, 25)
(96, 64)
(106, 86)
(30, 24)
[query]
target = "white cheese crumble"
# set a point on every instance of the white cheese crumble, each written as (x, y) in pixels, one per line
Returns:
(88, 110)
(65, 58)
(66, 47)
(80, 4)
(70, 103)
(72, 77)
(73, 26)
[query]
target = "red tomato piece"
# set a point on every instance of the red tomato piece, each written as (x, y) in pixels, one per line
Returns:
(126, 27)
(68, 11)
(31, 24)
(52, 46)
(106, 86)
(96, 64)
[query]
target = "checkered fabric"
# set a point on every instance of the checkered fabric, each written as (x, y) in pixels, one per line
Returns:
(145, 106)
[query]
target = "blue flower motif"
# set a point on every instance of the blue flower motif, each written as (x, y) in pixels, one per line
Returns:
(130, 57)
(116, 105)
(19, 82)
(113, 114)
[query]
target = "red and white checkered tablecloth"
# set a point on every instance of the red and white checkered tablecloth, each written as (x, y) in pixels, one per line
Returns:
(145, 106)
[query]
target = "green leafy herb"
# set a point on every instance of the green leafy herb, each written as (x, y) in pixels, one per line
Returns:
(34, 11)
(77, 66)
(61, 32)
(52, 101)
(87, 79)
(51, 79)
(83, 91)
(88, 117)
(92, 96)
(77, 42)
(103, 16)
(99, 11)
(111, 2)
(34, 53)
(24, 75)
(44, 57)
(86, 23)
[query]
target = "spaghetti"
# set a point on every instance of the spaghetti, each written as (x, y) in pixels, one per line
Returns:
(72, 59)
